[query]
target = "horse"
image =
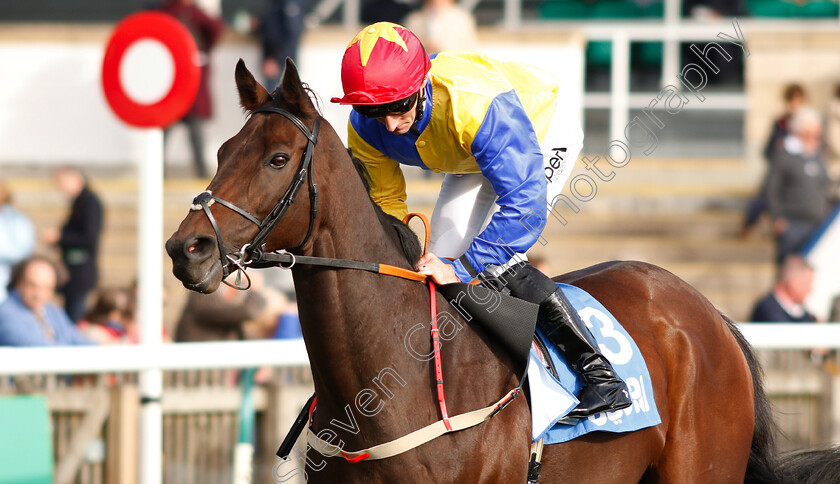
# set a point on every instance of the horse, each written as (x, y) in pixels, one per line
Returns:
(358, 327)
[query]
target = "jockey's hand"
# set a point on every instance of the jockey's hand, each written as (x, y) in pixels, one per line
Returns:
(440, 272)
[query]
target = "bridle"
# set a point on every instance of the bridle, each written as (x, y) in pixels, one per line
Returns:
(253, 252)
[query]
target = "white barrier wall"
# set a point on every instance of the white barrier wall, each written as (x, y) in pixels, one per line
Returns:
(292, 353)
(823, 256)
(52, 109)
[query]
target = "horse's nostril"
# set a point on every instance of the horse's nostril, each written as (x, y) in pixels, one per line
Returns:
(199, 247)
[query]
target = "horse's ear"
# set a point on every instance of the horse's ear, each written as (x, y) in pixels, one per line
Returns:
(293, 89)
(251, 93)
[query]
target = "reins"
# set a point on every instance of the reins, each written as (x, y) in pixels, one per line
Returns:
(287, 260)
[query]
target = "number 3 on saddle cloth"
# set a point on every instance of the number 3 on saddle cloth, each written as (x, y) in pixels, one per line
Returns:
(552, 398)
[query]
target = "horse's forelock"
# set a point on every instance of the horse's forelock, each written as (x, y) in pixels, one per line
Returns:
(279, 100)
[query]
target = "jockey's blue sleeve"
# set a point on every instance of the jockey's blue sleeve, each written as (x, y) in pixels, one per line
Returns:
(508, 152)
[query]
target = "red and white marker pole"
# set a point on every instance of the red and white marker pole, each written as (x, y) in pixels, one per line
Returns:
(150, 76)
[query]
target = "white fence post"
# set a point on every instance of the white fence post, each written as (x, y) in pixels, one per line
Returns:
(150, 303)
(670, 45)
(619, 85)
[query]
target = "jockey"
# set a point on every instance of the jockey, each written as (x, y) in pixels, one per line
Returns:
(506, 149)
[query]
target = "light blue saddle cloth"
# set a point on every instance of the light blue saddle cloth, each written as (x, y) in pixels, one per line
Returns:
(553, 399)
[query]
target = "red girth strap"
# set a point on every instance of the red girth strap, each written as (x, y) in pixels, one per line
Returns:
(438, 365)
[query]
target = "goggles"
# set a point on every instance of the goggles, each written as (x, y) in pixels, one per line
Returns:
(381, 110)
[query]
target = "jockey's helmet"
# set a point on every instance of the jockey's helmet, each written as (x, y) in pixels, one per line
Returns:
(384, 65)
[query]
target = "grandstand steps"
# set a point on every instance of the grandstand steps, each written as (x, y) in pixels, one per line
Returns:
(703, 224)
(681, 214)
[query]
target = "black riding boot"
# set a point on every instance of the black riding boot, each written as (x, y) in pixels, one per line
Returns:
(604, 390)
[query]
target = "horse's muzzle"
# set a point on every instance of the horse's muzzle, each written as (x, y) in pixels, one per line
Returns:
(195, 261)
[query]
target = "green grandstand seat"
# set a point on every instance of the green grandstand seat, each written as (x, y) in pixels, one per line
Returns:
(599, 53)
(614, 9)
(563, 9)
(817, 9)
(653, 10)
(26, 454)
(770, 8)
(647, 53)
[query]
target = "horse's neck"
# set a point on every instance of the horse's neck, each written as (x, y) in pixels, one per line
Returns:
(350, 318)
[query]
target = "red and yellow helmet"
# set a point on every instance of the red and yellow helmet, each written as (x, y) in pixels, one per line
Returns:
(384, 63)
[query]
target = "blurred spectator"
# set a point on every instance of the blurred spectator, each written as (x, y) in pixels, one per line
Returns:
(798, 185)
(794, 98)
(206, 31)
(832, 141)
(228, 314)
(784, 304)
(17, 237)
(288, 324)
(106, 322)
(281, 289)
(78, 239)
(130, 316)
(281, 28)
(264, 324)
(443, 25)
(834, 316)
(132, 329)
(28, 317)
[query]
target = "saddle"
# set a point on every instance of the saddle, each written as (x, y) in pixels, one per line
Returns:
(512, 321)
(552, 382)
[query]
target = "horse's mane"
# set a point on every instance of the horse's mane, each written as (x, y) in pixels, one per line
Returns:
(407, 238)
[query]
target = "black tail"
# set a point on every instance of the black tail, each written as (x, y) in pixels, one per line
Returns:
(762, 467)
(814, 466)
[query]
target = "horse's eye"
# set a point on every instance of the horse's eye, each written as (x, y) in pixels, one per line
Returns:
(279, 160)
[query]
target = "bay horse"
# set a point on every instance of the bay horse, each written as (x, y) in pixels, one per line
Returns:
(716, 424)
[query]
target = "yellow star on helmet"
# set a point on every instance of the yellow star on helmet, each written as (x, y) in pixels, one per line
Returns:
(368, 37)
